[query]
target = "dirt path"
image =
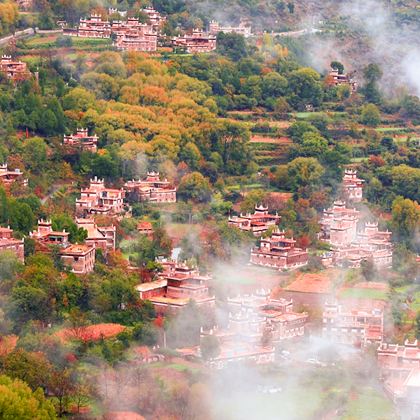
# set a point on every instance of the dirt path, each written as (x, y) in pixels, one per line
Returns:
(53, 190)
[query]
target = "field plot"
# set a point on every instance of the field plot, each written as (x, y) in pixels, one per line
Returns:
(258, 138)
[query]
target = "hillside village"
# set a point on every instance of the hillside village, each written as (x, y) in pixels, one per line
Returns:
(190, 215)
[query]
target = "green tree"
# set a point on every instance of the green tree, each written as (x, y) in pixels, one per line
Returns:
(145, 333)
(35, 295)
(62, 387)
(17, 401)
(30, 303)
(251, 199)
(21, 217)
(32, 368)
(305, 87)
(406, 221)
(370, 115)
(313, 144)
(104, 166)
(304, 171)
(10, 266)
(191, 155)
(406, 181)
(372, 74)
(112, 294)
(410, 106)
(62, 222)
(273, 85)
(35, 155)
(195, 187)
(29, 245)
(231, 142)
(79, 99)
(141, 250)
(103, 85)
(281, 107)
(232, 45)
(111, 63)
(404, 261)
(48, 123)
(336, 65)
(4, 206)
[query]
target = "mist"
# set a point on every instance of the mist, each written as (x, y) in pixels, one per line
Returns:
(374, 36)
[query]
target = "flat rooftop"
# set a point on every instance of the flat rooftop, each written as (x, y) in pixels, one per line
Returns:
(145, 287)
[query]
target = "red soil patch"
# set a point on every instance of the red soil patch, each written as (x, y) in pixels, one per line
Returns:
(91, 332)
(8, 344)
(321, 282)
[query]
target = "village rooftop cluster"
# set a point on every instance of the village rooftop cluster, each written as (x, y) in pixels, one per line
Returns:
(256, 322)
(132, 35)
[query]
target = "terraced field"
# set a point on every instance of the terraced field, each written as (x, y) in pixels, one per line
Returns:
(270, 150)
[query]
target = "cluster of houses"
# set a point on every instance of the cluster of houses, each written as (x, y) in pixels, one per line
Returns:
(10, 244)
(152, 189)
(399, 367)
(132, 35)
(7, 241)
(196, 41)
(256, 323)
(79, 258)
(335, 78)
(128, 35)
(81, 141)
(8, 177)
(276, 251)
(244, 28)
(96, 199)
(352, 186)
(257, 223)
(349, 245)
(354, 326)
(279, 252)
(14, 70)
(200, 41)
(175, 287)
